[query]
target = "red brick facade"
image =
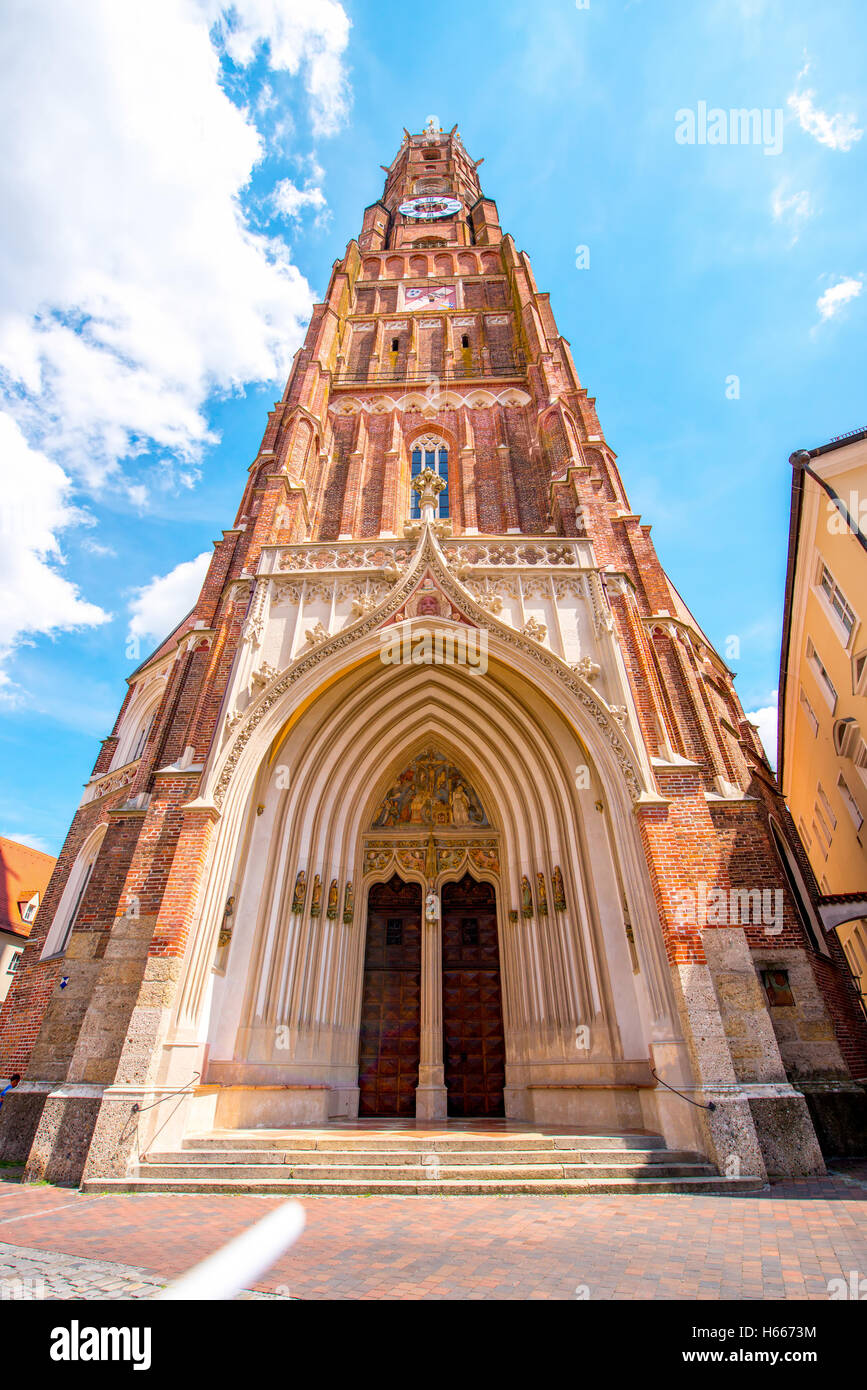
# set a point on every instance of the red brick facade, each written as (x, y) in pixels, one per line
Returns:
(528, 458)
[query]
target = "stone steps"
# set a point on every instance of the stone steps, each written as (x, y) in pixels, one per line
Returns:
(401, 1162)
(437, 1172)
(325, 1141)
(493, 1185)
(402, 1158)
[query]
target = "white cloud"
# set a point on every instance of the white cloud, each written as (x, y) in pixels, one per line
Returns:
(833, 300)
(289, 201)
(766, 720)
(133, 288)
(838, 132)
(792, 209)
(97, 548)
(34, 841)
(159, 606)
(35, 509)
(132, 285)
(308, 34)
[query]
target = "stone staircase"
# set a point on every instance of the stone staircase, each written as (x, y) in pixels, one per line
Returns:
(384, 1162)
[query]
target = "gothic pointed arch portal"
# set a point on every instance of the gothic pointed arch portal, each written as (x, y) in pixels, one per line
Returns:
(430, 773)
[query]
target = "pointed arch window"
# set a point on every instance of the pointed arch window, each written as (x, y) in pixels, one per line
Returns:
(71, 899)
(431, 452)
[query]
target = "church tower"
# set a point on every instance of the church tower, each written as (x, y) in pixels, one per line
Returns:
(439, 802)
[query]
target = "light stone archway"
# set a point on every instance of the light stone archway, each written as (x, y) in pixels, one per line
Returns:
(282, 1007)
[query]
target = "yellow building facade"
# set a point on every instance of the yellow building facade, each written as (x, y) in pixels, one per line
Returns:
(822, 753)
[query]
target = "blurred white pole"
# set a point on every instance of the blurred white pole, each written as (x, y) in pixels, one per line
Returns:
(240, 1263)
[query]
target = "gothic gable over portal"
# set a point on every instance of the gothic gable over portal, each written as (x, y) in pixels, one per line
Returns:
(430, 791)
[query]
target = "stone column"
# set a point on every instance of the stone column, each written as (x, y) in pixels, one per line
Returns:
(431, 1095)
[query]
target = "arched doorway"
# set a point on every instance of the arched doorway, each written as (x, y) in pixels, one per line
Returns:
(474, 1052)
(389, 1037)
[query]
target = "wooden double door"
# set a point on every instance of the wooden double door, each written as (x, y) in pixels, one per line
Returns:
(390, 1036)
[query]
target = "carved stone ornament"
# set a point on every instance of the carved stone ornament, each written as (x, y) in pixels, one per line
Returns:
(431, 556)
(348, 903)
(317, 634)
(316, 898)
(536, 631)
(428, 485)
(587, 669)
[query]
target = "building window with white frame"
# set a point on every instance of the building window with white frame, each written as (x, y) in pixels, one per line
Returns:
(836, 601)
(849, 802)
(809, 712)
(826, 685)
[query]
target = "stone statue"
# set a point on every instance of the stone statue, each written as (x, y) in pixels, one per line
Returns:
(316, 899)
(526, 896)
(316, 634)
(460, 805)
(300, 892)
(332, 899)
(226, 928)
(348, 903)
(432, 908)
(542, 894)
(559, 890)
(534, 629)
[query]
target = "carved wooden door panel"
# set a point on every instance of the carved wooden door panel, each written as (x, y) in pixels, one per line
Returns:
(388, 1053)
(474, 1052)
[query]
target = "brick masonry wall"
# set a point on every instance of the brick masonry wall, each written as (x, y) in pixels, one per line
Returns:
(529, 466)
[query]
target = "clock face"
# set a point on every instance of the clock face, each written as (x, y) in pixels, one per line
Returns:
(430, 208)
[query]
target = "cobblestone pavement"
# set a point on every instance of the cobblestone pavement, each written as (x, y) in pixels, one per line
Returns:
(785, 1243)
(27, 1274)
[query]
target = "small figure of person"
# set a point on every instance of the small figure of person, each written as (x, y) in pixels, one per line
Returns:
(13, 1082)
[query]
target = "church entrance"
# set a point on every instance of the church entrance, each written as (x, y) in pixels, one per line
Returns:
(474, 1052)
(388, 1055)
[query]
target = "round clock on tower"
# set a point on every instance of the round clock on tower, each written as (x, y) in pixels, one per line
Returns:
(430, 208)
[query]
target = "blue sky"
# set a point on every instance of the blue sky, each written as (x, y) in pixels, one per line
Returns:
(181, 185)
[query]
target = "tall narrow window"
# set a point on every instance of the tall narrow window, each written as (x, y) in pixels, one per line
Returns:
(433, 454)
(73, 894)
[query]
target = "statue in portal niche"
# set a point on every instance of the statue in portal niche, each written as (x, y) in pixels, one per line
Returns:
(542, 894)
(348, 903)
(332, 899)
(316, 897)
(526, 896)
(559, 890)
(460, 805)
(226, 929)
(300, 892)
